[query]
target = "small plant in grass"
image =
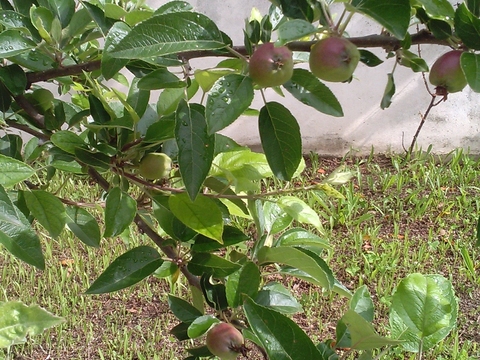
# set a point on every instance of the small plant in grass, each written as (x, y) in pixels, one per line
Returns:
(164, 166)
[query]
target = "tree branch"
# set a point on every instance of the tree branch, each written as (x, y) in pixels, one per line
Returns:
(169, 251)
(368, 41)
(36, 117)
(27, 129)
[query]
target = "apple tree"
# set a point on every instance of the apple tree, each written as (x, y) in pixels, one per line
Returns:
(157, 151)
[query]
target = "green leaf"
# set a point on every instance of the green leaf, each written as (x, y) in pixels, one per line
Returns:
(213, 265)
(163, 129)
(388, 93)
(169, 222)
(222, 188)
(42, 19)
(206, 78)
(201, 325)
(300, 237)
(478, 233)
(5, 98)
(467, 27)
(47, 209)
(83, 225)
(120, 210)
(95, 159)
(97, 15)
(470, 64)
(276, 331)
(182, 309)
(279, 298)
(437, 9)
(97, 110)
(244, 282)
(160, 79)
(474, 7)
(297, 9)
(393, 15)
(231, 236)
(424, 311)
(229, 97)
(126, 270)
(12, 43)
(17, 321)
(306, 88)
(297, 259)
(293, 30)
(174, 6)
(67, 141)
(201, 215)
(276, 219)
(62, 9)
(361, 302)
(300, 211)
(413, 61)
(363, 335)
(214, 294)
(14, 20)
(13, 171)
(17, 235)
(281, 139)
(14, 79)
(196, 147)
(369, 58)
(111, 66)
(169, 33)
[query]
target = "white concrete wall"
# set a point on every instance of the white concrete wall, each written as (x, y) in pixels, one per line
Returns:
(452, 124)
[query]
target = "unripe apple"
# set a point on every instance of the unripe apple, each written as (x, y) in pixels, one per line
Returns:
(225, 341)
(271, 65)
(446, 73)
(333, 59)
(155, 166)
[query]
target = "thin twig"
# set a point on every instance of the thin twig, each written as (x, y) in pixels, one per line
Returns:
(28, 130)
(422, 122)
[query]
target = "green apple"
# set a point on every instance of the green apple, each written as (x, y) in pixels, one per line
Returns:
(155, 166)
(271, 65)
(446, 73)
(225, 341)
(333, 59)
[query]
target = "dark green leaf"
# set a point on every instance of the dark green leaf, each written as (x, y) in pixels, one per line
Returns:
(95, 159)
(297, 9)
(67, 141)
(467, 27)
(244, 282)
(413, 61)
(47, 209)
(216, 266)
(99, 17)
(62, 9)
(163, 129)
(174, 6)
(294, 30)
(5, 98)
(196, 147)
(277, 297)
(394, 15)
(83, 225)
(220, 187)
(276, 331)
(138, 100)
(471, 67)
(474, 7)
(369, 58)
(12, 43)
(14, 78)
(437, 9)
(11, 146)
(229, 97)
(126, 270)
(170, 33)
(214, 294)
(17, 235)
(13, 20)
(306, 88)
(389, 92)
(231, 236)
(201, 325)
(111, 66)
(281, 139)
(300, 237)
(182, 309)
(120, 210)
(180, 331)
(160, 79)
(442, 30)
(97, 110)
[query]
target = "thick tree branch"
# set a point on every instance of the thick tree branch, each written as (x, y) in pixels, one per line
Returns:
(28, 130)
(36, 117)
(369, 41)
(169, 251)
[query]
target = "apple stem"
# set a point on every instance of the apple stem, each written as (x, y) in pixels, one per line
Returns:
(263, 97)
(236, 53)
(343, 26)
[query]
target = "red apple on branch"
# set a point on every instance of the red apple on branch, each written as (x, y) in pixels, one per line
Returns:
(271, 65)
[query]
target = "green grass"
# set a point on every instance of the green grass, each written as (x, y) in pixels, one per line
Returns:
(398, 217)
